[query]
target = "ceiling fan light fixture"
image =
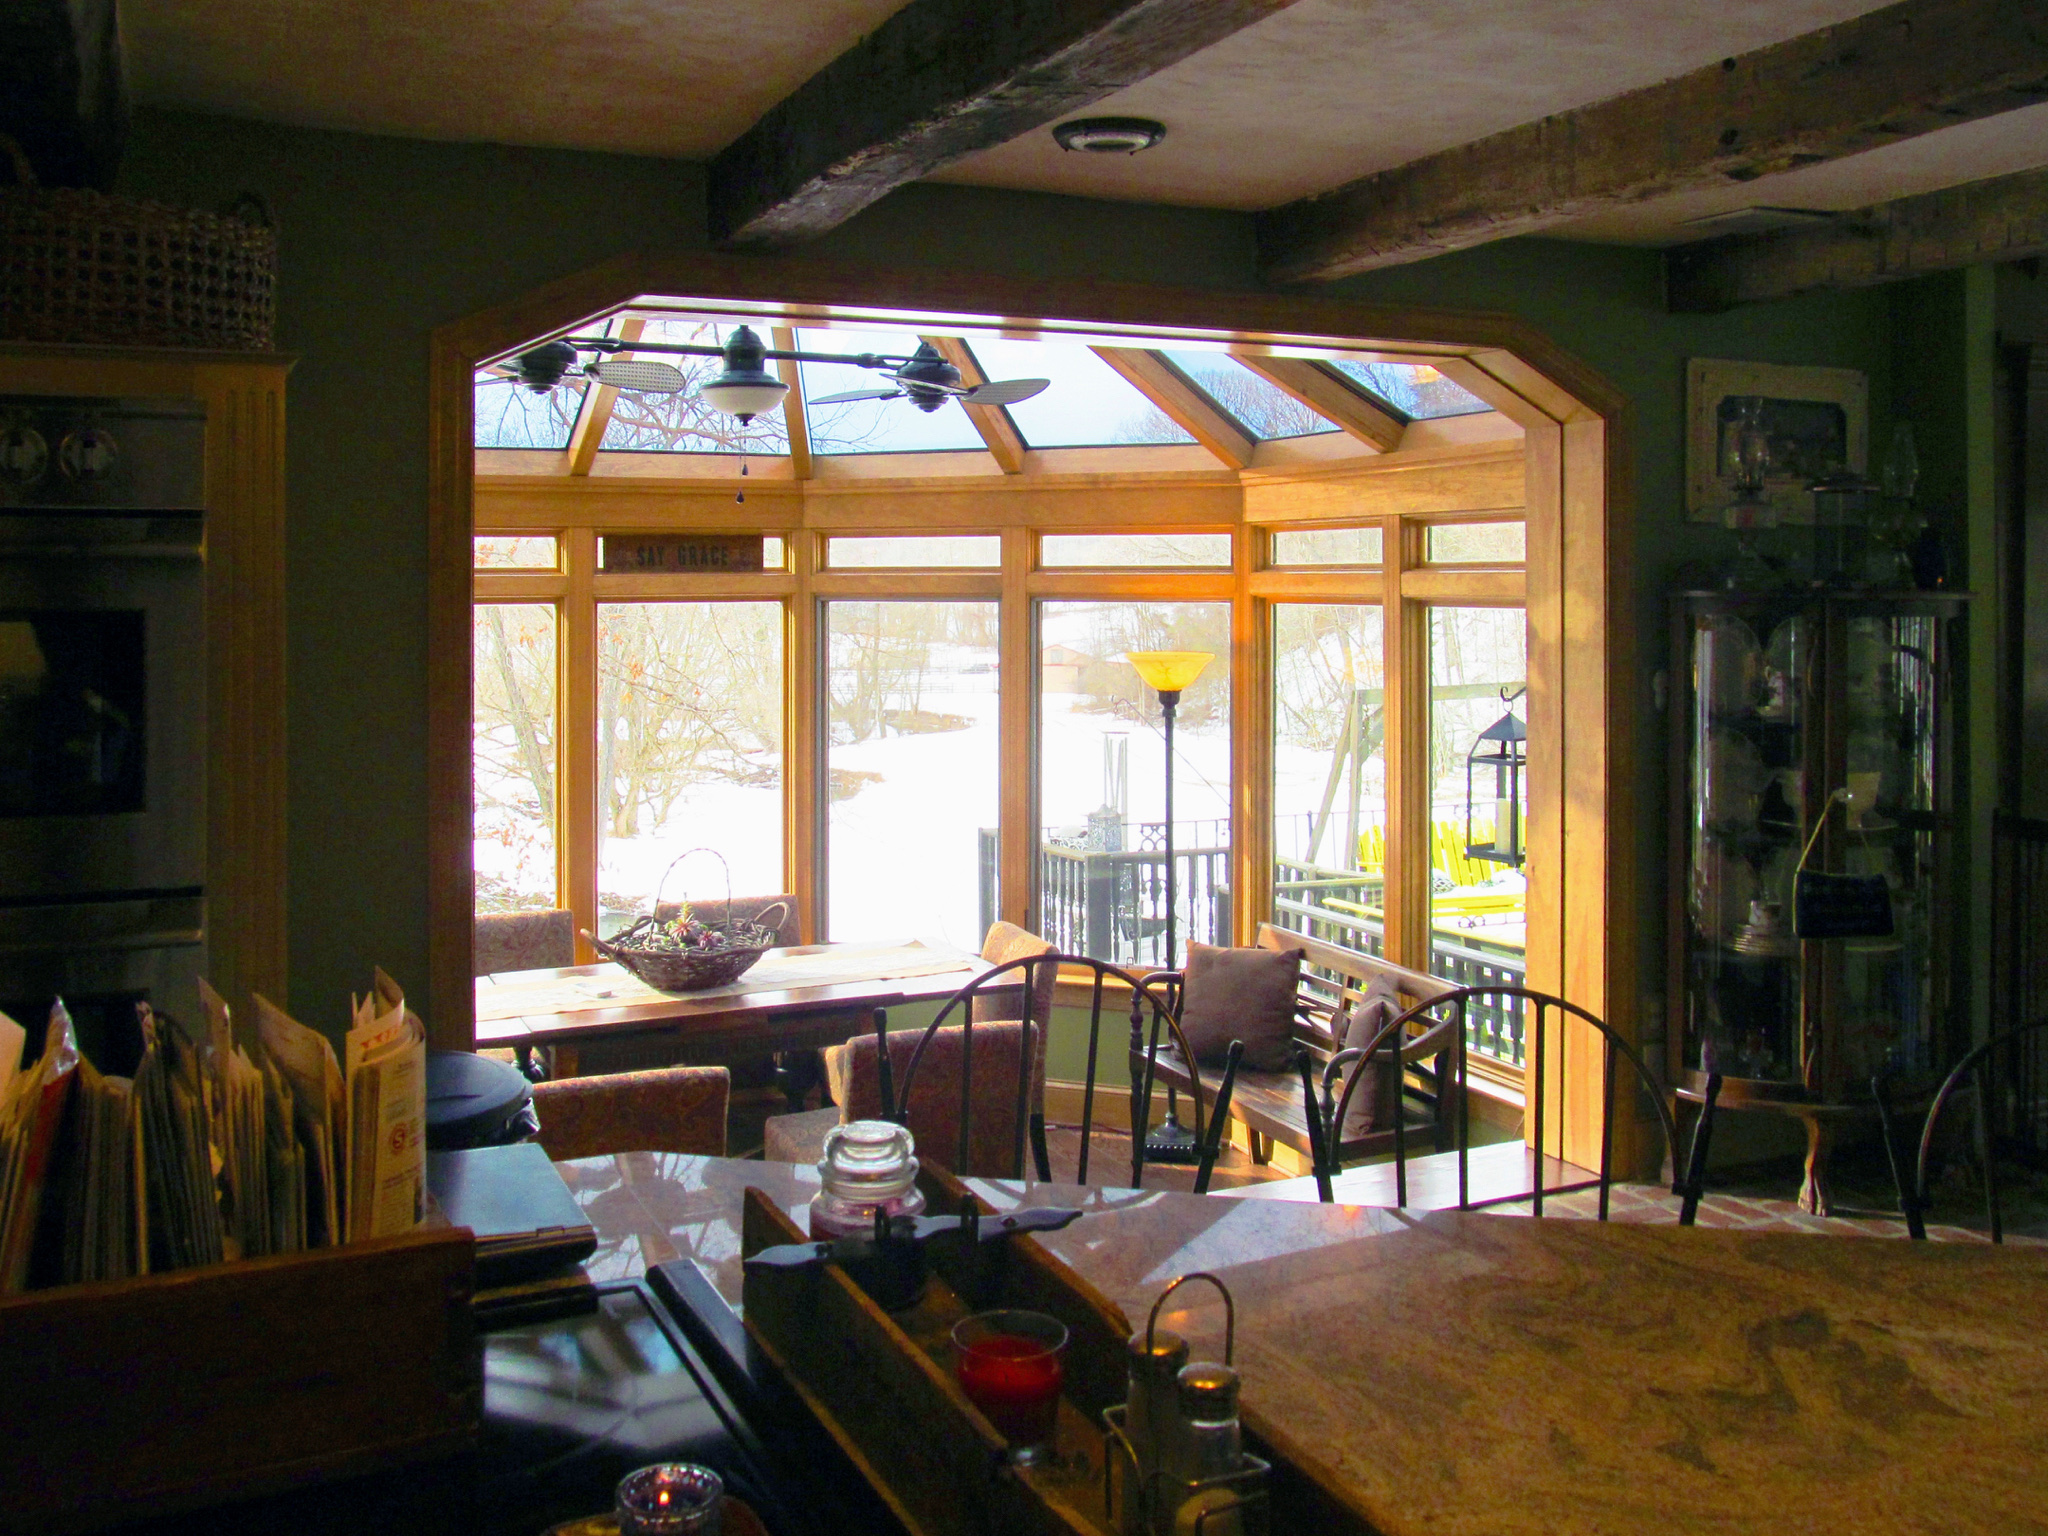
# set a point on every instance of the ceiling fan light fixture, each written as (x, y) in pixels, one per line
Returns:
(541, 368)
(745, 388)
(1109, 135)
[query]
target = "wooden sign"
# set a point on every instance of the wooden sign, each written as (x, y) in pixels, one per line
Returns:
(681, 552)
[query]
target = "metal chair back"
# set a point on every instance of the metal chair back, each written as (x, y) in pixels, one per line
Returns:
(1980, 1069)
(1021, 984)
(1548, 1064)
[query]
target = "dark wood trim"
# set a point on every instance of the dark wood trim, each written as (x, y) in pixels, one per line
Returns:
(2004, 218)
(1874, 80)
(938, 81)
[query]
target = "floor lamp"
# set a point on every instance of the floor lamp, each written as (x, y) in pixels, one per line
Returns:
(1170, 672)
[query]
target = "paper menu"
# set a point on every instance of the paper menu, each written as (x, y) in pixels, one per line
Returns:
(386, 1052)
(319, 1114)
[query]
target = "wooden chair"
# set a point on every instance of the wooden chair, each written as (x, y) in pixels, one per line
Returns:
(1010, 1049)
(1334, 983)
(1443, 1026)
(1980, 1068)
(670, 1109)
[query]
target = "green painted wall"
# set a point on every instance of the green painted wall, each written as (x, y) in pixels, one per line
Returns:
(383, 239)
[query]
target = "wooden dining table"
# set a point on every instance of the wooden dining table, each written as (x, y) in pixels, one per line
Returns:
(1467, 1374)
(791, 999)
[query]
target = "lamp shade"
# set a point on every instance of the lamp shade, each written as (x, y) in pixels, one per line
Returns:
(1169, 671)
(744, 388)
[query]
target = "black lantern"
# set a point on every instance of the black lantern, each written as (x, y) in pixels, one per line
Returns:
(1503, 750)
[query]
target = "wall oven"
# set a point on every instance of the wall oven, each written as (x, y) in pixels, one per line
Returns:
(102, 710)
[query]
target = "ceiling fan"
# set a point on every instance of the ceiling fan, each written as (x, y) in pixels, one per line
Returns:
(745, 388)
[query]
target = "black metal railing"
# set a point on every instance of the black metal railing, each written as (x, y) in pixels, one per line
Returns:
(1301, 897)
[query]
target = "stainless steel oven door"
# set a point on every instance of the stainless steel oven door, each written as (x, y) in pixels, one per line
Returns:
(102, 710)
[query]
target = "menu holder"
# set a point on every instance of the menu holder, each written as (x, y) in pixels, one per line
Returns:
(131, 1399)
(881, 1383)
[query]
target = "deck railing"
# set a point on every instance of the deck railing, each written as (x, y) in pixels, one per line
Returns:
(1111, 904)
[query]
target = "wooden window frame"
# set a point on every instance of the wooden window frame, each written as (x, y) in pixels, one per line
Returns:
(1569, 473)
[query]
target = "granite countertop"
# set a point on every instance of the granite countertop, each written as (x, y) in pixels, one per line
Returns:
(1466, 1374)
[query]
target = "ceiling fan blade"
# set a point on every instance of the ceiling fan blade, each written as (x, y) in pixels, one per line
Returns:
(641, 377)
(1004, 391)
(855, 394)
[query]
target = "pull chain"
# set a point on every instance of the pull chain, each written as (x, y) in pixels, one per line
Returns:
(742, 493)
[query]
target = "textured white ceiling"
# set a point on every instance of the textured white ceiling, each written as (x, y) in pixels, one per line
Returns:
(1312, 97)
(1330, 90)
(679, 78)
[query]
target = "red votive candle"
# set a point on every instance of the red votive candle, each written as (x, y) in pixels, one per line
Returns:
(1008, 1364)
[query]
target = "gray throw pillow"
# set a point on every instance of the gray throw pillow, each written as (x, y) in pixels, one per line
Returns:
(1241, 994)
(1378, 1099)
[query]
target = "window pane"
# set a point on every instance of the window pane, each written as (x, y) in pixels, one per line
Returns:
(522, 553)
(509, 415)
(913, 740)
(1102, 775)
(949, 550)
(1264, 410)
(1416, 390)
(1329, 773)
(682, 422)
(1089, 403)
(689, 744)
(1124, 549)
(774, 553)
(1477, 892)
(513, 765)
(1478, 543)
(873, 426)
(1327, 546)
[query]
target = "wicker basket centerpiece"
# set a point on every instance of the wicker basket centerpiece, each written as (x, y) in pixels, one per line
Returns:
(684, 953)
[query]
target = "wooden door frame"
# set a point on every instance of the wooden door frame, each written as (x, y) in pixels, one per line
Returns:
(1583, 938)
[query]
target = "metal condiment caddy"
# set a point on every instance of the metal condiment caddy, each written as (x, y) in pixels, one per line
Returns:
(1174, 1462)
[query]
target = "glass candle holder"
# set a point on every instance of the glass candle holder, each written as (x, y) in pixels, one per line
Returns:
(1008, 1364)
(670, 1498)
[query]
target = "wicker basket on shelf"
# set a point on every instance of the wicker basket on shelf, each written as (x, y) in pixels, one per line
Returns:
(651, 951)
(83, 266)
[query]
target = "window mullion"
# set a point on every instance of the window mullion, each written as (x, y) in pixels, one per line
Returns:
(1405, 629)
(1017, 674)
(577, 796)
(804, 769)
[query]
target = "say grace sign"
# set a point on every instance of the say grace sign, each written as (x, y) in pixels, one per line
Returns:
(680, 552)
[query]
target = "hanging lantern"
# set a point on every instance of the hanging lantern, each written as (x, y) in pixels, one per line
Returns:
(1502, 750)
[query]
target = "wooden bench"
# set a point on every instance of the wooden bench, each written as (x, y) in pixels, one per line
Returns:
(1333, 982)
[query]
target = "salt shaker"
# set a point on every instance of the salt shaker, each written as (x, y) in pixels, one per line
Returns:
(1209, 1445)
(868, 1168)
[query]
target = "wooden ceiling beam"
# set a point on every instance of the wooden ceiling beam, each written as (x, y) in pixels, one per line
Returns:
(1878, 79)
(796, 412)
(63, 97)
(598, 399)
(1330, 398)
(938, 81)
(1004, 441)
(1188, 407)
(2002, 219)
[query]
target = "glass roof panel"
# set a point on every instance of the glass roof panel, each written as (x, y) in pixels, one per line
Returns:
(1415, 390)
(509, 415)
(1264, 410)
(873, 426)
(682, 423)
(1089, 404)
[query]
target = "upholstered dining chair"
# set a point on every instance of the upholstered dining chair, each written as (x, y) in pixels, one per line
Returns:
(1437, 1028)
(1979, 1070)
(670, 1109)
(524, 941)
